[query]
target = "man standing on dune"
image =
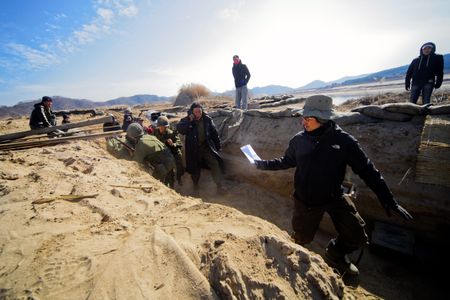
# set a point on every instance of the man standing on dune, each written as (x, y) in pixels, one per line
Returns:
(426, 72)
(241, 76)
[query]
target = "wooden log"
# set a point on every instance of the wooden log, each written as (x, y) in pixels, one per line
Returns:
(55, 141)
(18, 135)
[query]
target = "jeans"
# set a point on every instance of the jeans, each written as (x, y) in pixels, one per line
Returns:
(241, 97)
(426, 90)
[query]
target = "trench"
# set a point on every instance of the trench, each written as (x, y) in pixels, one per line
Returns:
(384, 274)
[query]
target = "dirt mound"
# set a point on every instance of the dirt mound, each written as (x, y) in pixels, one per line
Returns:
(77, 223)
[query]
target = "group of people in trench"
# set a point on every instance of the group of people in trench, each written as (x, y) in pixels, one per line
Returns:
(159, 147)
(319, 152)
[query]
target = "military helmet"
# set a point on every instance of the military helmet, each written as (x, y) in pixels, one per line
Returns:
(134, 131)
(163, 121)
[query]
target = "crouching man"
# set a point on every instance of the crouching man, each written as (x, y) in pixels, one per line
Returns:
(147, 150)
(320, 154)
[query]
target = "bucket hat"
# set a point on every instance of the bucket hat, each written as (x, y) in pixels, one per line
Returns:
(319, 106)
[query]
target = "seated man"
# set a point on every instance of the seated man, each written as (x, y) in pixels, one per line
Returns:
(145, 149)
(42, 115)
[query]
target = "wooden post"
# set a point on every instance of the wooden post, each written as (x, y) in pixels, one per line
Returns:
(32, 144)
(18, 135)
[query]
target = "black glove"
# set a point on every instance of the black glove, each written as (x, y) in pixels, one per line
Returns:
(398, 209)
(259, 164)
(407, 86)
(437, 85)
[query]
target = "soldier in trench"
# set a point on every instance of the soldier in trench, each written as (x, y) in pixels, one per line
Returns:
(320, 154)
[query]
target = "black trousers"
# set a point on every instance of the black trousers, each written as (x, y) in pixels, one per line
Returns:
(345, 217)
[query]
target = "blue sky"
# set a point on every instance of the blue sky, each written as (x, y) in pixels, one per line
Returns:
(104, 49)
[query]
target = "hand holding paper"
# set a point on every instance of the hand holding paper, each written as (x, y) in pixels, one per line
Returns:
(250, 153)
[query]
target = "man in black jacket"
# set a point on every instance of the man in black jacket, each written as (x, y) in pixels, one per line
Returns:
(42, 114)
(426, 72)
(202, 145)
(241, 76)
(320, 155)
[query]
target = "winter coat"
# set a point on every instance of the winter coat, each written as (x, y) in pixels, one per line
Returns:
(192, 148)
(42, 117)
(241, 74)
(321, 158)
(426, 69)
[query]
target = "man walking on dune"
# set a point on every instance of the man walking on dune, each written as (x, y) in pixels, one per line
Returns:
(241, 76)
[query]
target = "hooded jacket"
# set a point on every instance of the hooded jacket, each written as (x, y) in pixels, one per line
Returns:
(320, 158)
(241, 74)
(42, 117)
(426, 68)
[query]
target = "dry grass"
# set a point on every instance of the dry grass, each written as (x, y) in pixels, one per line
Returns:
(190, 92)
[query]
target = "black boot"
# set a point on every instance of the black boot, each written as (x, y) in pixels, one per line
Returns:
(340, 261)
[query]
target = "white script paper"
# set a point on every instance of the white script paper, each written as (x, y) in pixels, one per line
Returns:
(250, 153)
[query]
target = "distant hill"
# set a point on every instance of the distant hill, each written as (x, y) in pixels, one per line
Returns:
(314, 85)
(390, 74)
(64, 103)
(135, 100)
(271, 90)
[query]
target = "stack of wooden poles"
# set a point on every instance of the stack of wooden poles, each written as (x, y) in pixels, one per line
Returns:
(46, 136)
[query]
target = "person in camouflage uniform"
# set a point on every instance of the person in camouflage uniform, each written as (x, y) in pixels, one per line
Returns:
(147, 150)
(171, 139)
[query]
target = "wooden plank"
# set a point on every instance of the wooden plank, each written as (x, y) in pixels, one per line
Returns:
(55, 141)
(18, 135)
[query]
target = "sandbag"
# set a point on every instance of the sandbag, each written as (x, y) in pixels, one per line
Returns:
(283, 102)
(220, 113)
(288, 112)
(439, 109)
(376, 111)
(353, 118)
(405, 108)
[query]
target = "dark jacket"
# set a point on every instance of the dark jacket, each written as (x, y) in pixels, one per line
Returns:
(127, 120)
(321, 158)
(241, 74)
(42, 117)
(426, 69)
(190, 129)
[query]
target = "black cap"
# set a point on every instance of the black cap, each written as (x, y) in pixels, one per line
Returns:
(46, 98)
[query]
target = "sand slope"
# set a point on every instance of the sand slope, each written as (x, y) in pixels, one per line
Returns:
(136, 243)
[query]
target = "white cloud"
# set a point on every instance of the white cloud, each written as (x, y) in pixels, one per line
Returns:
(129, 11)
(35, 59)
(105, 14)
(86, 34)
(60, 16)
(44, 55)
